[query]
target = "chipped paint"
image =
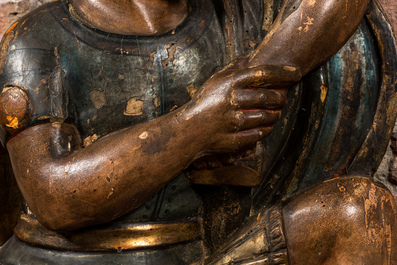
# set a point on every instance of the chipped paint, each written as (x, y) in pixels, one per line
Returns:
(12, 122)
(324, 91)
(11, 28)
(341, 187)
(6, 89)
(150, 62)
(192, 90)
(370, 207)
(311, 2)
(98, 98)
(268, 15)
(289, 68)
(56, 124)
(134, 107)
(90, 139)
(110, 193)
(174, 108)
(43, 118)
(56, 54)
(308, 23)
(171, 49)
(70, 138)
(143, 135)
(67, 167)
(156, 102)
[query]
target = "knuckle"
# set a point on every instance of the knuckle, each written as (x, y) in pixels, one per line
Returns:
(255, 76)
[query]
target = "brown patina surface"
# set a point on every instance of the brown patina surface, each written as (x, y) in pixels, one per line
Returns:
(234, 107)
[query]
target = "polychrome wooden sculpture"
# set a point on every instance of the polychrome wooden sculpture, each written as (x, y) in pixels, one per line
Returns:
(182, 132)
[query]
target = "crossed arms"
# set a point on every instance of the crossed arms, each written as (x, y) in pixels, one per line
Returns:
(67, 186)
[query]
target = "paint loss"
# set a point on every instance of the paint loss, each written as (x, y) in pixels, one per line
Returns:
(134, 107)
(98, 98)
(171, 50)
(324, 91)
(12, 122)
(192, 90)
(90, 139)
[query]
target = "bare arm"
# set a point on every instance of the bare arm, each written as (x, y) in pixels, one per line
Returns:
(306, 33)
(69, 187)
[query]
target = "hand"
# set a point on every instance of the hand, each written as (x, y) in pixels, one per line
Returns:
(235, 108)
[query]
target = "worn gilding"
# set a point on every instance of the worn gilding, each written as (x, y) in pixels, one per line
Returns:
(117, 237)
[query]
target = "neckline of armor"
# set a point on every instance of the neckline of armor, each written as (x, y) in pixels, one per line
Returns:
(186, 34)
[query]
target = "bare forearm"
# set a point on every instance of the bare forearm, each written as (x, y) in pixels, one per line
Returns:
(121, 171)
(125, 168)
(307, 33)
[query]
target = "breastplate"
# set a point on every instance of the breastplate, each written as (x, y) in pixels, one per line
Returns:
(116, 81)
(112, 82)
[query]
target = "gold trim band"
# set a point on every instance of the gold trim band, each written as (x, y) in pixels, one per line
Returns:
(113, 237)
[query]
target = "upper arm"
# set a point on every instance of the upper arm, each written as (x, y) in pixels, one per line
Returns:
(26, 77)
(307, 34)
(31, 86)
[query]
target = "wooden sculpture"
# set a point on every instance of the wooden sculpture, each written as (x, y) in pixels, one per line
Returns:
(199, 132)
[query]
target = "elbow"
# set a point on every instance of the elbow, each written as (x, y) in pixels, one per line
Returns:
(60, 222)
(56, 224)
(56, 215)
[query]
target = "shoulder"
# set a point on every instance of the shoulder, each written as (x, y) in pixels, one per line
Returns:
(32, 30)
(30, 39)
(28, 64)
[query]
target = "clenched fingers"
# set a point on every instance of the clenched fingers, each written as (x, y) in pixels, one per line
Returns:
(246, 120)
(248, 137)
(260, 99)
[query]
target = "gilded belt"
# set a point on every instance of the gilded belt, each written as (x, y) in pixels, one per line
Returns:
(113, 237)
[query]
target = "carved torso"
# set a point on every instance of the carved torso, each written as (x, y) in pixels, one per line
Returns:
(103, 82)
(111, 82)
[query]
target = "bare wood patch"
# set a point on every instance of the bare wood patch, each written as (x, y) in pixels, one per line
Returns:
(143, 135)
(149, 64)
(156, 102)
(171, 49)
(12, 122)
(98, 98)
(110, 193)
(134, 107)
(324, 91)
(90, 139)
(192, 91)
